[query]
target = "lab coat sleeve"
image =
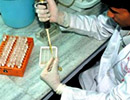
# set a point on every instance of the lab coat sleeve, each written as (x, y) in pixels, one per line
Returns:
(99, 27)
(120, 92)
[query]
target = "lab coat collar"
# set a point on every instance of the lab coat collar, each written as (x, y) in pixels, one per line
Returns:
(110, 55)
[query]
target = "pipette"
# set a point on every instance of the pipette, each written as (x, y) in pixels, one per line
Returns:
(47, 26)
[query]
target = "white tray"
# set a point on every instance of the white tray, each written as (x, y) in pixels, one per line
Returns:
(45, 55)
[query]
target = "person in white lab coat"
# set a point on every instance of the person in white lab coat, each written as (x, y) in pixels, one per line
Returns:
(110, 80)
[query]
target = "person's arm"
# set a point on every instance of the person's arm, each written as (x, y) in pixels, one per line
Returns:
(51, 77)
(100, 27)
(120, 92)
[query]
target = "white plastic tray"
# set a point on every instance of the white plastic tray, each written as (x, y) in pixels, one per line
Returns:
(45, 55)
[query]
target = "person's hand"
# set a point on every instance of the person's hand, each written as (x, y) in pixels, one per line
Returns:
(52, 13)
(47, 14)
(50, 74)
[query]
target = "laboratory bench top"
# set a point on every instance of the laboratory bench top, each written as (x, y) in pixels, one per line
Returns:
(74, 51)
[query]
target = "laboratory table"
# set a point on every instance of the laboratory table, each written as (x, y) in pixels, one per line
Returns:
(74, 52)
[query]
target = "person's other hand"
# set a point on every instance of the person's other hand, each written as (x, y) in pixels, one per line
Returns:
(50, 74)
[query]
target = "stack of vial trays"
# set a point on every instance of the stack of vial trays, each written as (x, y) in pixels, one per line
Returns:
(14, 54)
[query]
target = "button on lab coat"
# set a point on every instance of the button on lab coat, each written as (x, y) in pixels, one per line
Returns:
(110, 80)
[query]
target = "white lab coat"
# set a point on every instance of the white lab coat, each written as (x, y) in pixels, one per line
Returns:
(110, 80)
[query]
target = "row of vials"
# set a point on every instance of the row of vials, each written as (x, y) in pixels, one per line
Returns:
(14, 51)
